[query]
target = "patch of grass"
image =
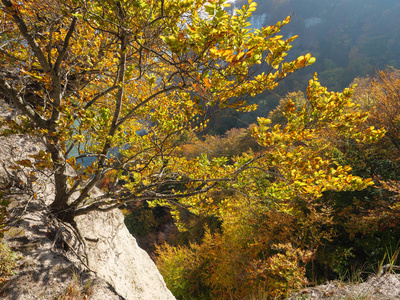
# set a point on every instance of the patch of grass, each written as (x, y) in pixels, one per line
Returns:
(391, 257)
(358, 297)
(355, 274)
(3, 213)
(8, 263)
(76, 290)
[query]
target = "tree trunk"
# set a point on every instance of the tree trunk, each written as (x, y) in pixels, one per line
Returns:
(60, 205)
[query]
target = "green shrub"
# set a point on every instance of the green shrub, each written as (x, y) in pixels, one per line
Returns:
(183, 271)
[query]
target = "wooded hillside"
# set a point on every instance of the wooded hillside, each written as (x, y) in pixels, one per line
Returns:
(120, 94)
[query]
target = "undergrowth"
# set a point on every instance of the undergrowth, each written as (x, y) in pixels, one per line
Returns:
(7, 257)
(7, 263)
(77, 290)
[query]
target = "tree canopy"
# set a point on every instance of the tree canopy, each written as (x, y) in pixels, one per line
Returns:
(120, 82)
(93, 76)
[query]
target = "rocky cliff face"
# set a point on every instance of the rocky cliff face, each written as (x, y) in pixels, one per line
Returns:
(114, 255)
(98, 259)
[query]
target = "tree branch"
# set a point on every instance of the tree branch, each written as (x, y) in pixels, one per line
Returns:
(28, 37)
(21, 104)
(65, 46)
(114, 123)
(132, 111)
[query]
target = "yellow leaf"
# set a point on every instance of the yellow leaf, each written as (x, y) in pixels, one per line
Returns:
(207, 82)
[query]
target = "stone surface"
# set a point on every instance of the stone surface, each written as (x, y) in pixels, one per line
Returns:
(115, 256)
(385, 287)
(46, 270)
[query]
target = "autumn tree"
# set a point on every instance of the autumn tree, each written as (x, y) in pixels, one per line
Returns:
(277, 115)
(90, 77)
(367, 221)
(384, 103)
(274, 215)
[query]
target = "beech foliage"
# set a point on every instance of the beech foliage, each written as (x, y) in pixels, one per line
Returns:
(117, 82)
(269, 246)
(275, 216)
